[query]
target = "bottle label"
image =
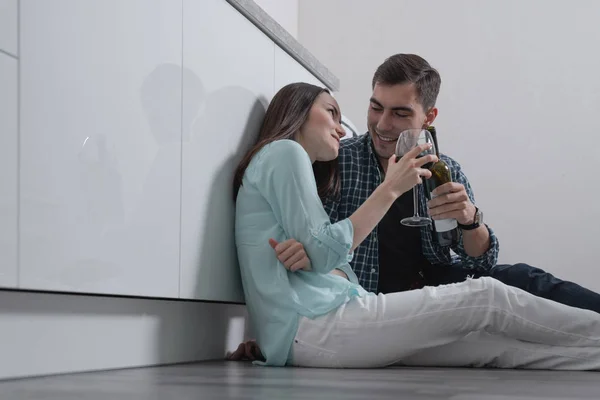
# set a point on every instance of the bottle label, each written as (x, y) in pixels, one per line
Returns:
(445, 225)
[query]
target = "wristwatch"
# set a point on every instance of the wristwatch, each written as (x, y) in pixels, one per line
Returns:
(476, 223)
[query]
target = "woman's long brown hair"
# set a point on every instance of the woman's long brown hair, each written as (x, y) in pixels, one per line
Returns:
(286, 113)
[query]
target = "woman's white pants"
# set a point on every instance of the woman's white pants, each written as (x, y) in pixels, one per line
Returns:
(479, 322)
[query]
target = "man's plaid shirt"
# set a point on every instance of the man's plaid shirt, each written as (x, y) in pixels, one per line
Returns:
(360, 175)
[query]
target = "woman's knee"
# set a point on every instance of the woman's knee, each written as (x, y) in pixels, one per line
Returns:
(493, 285)
(492, 289)
(483, 283)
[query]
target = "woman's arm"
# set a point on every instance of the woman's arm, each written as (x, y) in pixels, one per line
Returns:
(285, 177)
(292, 255)
(368, 215)
(401, 176)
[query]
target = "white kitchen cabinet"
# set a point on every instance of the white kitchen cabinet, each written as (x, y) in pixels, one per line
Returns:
(8, 171)
(227, 80)
(288, 70)
(100, 153)
(8, 26)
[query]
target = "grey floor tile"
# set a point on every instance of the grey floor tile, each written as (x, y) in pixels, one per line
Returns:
(240, 380)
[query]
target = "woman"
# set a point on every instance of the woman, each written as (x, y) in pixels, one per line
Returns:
(314, 316)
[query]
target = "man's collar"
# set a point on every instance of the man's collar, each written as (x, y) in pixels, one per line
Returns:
(369, 145)
(371, 150)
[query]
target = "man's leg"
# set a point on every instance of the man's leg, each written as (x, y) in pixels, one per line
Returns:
(436, 275)
(546, 285)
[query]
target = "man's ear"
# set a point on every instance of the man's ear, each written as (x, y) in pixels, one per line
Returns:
(431, 115)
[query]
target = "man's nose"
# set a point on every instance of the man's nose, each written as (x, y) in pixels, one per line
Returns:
(385, 123)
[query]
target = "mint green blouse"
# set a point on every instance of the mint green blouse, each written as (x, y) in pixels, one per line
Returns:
(278, 199)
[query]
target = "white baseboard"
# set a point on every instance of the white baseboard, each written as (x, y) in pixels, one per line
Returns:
(43, 333)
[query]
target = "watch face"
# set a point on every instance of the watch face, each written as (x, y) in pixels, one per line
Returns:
(478, 217)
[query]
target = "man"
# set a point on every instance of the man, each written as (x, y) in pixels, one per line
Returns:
(395, 257)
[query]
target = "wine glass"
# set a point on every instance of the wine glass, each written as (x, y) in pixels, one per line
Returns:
(408, 140)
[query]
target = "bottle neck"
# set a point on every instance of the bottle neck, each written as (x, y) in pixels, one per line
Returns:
(433, 133)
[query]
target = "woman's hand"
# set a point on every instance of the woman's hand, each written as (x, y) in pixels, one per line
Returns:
(293, 257)
(402, 175)
(247, 350)
(291, 254)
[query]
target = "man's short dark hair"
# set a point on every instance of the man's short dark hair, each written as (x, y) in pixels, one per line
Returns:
(410, 68)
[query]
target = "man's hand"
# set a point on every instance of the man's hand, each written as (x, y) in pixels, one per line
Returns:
(247, 350)
(291, 254)
(452, 201)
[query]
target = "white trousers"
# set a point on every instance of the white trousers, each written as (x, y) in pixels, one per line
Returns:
(479, 322)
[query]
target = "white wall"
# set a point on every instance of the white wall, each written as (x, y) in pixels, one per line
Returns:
(285, 12)
(517, 106)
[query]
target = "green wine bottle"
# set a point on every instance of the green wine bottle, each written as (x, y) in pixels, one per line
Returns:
(445, 230)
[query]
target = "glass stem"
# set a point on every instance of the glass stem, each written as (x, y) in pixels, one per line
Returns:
(416, 201)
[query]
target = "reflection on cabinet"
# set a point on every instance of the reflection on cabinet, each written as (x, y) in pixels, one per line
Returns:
(227, 80)
(8, 26)
(100, 146)
(134, 115)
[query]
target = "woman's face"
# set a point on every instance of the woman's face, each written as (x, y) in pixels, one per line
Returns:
(321, 133)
